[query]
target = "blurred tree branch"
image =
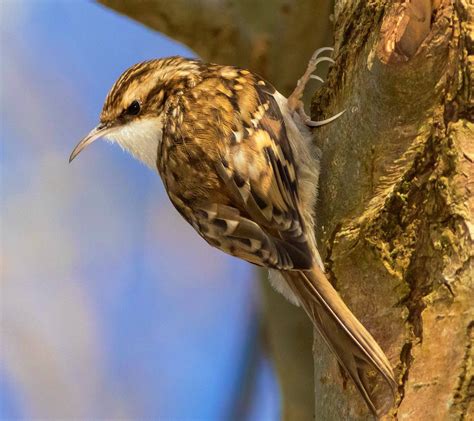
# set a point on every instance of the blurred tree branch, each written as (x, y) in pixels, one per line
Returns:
(395, 208)
(274, 38)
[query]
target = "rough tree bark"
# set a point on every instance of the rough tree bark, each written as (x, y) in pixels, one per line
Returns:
(395, 208)
(396, 205)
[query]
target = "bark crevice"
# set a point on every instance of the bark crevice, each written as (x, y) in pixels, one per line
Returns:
(328, 258)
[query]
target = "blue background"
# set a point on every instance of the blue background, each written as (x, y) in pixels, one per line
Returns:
(111, 306)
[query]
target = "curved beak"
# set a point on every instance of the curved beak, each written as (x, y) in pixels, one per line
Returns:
(94, 134)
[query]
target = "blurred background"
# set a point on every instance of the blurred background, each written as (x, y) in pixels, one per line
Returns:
(110, 304)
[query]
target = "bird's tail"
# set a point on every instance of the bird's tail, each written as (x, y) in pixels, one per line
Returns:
(354, 347)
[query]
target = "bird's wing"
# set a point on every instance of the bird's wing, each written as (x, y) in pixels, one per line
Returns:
(254, 213)
(226, 228)
(257, 166)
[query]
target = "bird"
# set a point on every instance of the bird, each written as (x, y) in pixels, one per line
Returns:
(238, 162)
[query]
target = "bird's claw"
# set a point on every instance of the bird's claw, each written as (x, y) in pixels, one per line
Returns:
(294, 100)
(312, 123)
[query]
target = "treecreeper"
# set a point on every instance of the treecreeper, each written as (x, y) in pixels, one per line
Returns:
(238, 163)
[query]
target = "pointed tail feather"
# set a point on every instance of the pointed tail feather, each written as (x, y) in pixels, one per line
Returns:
(354, 347)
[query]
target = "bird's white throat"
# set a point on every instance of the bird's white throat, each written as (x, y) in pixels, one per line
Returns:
(140, 138)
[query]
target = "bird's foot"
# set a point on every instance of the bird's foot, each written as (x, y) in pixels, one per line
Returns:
(294, 100)
(295, 104)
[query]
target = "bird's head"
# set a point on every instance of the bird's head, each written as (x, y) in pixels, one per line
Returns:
(133, 112)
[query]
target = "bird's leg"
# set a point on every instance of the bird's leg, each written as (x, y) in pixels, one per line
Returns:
(295, 104)
(294, 99)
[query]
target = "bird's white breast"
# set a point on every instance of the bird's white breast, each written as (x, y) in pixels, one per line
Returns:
(141, 138)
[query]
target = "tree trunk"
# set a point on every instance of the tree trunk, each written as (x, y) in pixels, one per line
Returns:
(395, 203)
(395, 208)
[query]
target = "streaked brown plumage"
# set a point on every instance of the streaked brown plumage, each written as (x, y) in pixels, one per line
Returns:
(237, 161)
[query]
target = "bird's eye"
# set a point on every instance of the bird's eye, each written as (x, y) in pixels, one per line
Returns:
(134, 108)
